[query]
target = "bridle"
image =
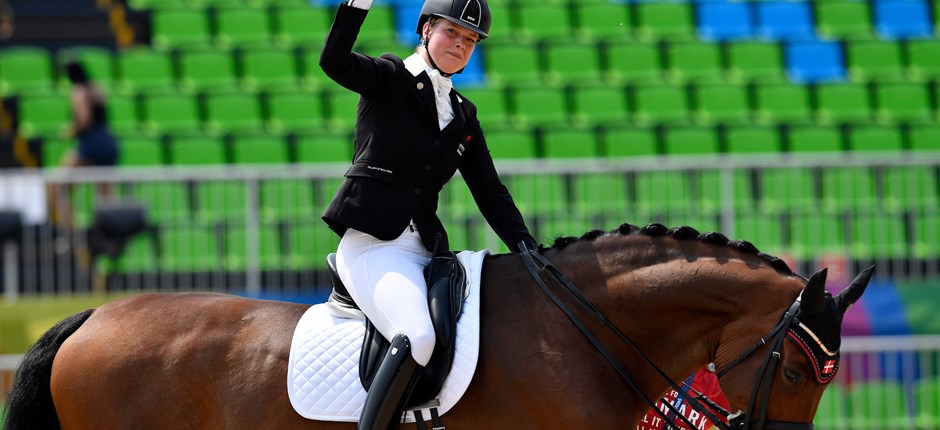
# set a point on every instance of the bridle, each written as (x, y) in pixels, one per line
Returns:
(738, 421)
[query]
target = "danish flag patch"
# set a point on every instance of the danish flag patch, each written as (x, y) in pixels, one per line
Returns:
(829, 367)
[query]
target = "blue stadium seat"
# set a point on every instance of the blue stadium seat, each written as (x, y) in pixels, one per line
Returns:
(815, 61)
(724, 20)
(785, 20)
(902, 19)
(406, 18)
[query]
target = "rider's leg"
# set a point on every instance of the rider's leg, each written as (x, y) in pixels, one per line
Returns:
(386, 279)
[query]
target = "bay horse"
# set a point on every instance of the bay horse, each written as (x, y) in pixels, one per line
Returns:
(674, 297)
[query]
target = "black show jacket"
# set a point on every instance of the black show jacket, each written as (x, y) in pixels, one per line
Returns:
(402, 159)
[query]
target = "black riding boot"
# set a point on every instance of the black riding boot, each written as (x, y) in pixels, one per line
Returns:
(391, 387)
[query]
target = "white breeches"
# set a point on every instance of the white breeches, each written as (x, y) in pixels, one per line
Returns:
(386, 279)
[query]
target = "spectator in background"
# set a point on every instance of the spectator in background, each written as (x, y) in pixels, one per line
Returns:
(6, 21)
(704, 382)
(95, 145)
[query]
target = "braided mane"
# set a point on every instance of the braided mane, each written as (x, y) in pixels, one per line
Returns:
(678, 233)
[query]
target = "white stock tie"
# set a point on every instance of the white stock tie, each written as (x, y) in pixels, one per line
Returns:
(442, 87)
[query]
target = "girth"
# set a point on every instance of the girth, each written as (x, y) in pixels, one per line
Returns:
(447, 287)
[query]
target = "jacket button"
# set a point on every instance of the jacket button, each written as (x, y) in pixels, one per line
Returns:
(427, 167)
(420, 85)
(437, 141)
(417, 191)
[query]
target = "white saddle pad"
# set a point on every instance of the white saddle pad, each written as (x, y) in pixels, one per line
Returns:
(323, 373)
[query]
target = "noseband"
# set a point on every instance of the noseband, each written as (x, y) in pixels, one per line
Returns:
(737, 421)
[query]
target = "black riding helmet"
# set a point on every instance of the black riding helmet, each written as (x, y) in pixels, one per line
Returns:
(470, 14)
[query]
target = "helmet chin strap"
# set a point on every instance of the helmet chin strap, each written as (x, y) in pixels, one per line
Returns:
(433, 63)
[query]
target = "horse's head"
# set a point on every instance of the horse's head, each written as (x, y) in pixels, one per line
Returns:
(771, 383)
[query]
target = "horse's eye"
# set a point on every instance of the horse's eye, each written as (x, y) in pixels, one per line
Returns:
(792, 377)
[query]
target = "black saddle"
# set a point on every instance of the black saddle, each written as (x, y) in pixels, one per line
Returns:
(447, 284)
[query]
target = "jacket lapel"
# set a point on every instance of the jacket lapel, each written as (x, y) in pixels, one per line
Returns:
(425, 92)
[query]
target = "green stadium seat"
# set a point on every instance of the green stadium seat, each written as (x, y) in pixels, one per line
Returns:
(877, 405)
(910, 188)
(633, 62)
(572, 64)
(26, 70)
(782, 104)
(662, 192)
(380, 26)
(377, 48)
(98, 63)
(875, 60)
(539, 106)
(599, 105)
(141, 151)
(832, 412)
(570, 143)
(843, 19)
(171, 114)
(841, 103)
(217, 4)
(629, 142)
(693, 62)
(807, 139)
(309, 244)
(44, 116)
(926, 230)
(242, 27)
(53, 150)
(233, 113)
(504, 25)
(180, 28)
(690, 141)
(748, 139)
(312, 76)
(540, 21)
(657, 21)
(848, 189)
(221, 201)
(492, 108)
(549, 229)
(189, 249)
(145, 70)
(301, 26)
(538, 194)
(342, 106)
(603, 20)
(902, 103)
(766, 233)
(710, 194)
(655, 104)
(123, 114)
(721, 104)
(287, 200)
(167, 203)
(755, 61)
(212, 71)
(927, 395)
(875, 139)
(511, 144)
(268, 70)
(157, 4)
(267, 247)
(925, 138)
(458, 235)
(876, 237)
(259, 150)
(296, 111)
(138, 257)
(923, 59)
(197, 151)
(456, 200)
(511, 64)
(324, 149)
(787, 190)
(815, 235)
(84, 197)
(599, 193)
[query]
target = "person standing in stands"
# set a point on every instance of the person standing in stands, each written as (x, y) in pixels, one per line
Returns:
(95, 145)
(413, 131)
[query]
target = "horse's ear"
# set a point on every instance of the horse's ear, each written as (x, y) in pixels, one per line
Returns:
(854, 291)
(813, 298)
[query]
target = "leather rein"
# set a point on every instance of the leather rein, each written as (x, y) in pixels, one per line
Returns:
(541, 268)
